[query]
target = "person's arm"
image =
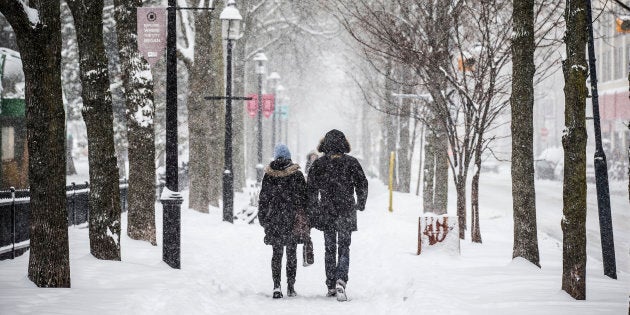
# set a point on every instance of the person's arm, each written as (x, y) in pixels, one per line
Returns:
(301, 197)
(360, 185)
(312, 189)
(263, 201)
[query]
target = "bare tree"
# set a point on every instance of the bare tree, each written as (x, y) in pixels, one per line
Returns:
(138, 90)
(522, 105)
(97, 112)
(574, 144)
(38, 32)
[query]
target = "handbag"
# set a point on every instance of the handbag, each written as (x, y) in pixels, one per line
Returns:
(308, 257)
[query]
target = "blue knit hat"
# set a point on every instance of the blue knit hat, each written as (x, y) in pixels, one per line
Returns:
(281, 151)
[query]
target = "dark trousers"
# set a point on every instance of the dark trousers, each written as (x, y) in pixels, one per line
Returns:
(337, 257)
(276, 264)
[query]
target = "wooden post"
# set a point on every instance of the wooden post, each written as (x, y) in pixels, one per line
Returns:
(392, 158)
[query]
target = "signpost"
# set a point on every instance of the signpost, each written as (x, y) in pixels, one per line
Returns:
(151, 28)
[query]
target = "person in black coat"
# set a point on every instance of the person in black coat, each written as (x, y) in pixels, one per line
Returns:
(282, 197)
(333, 179)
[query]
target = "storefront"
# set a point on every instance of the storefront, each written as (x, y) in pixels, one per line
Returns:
(14, 170)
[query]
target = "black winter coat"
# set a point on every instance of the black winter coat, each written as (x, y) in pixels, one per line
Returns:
(283, 192)
(332, 181)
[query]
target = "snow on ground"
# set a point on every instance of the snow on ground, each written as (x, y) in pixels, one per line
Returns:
(226, 268)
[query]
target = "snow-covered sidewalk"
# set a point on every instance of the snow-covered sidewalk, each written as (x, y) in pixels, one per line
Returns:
(226, 269)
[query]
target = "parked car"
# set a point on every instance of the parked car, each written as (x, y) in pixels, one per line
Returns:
(544, 169)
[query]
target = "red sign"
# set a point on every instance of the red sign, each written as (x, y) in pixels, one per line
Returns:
(267, 108)
(151, 27)
(544, 131)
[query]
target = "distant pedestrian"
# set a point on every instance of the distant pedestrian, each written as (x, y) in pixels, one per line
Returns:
(310, 158)
(333, 179)
(281, 211)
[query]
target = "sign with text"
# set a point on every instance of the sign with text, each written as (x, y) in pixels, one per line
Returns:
(151, 33)
(268, 106)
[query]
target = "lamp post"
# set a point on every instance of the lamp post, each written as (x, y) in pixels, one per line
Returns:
(260, 59)
(273, 78)
(231, 22)
(601, 169)
(171, 203)
(278, 111)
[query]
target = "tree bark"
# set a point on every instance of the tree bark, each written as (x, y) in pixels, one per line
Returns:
(522, 103)
(460, 188)
(104, 205)
(216, 86)
(574, 144)
(428, 187)
(205, 118)
(475, 230)
(40, 50)
(238, 110)
(138, 88)
(404, 152)
(440, 201)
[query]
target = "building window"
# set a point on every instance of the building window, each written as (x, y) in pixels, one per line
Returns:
(8, 143)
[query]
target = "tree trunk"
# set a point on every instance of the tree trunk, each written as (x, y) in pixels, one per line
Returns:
(40, 50)
(574, 144)
(475, 231)
(404, 152)
(138, 89)
(428, 187)
(104, 205)
(460, 187)
(422, 158)
(205, 118)
(522, 103)
(216, 86)
(440, 201)
(238, 110)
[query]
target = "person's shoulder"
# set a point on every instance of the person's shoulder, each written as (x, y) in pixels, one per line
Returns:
(351, 158)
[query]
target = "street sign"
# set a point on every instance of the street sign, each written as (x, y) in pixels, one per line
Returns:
(151, 27)
(544, 132)
(268, 104)
(284, 111)
(252, 105)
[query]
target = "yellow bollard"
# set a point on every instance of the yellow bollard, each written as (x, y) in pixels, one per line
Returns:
(391, 180)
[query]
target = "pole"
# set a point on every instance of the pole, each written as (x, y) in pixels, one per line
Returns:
(273, 120)
(391, 181)
(171, 207)
(259, 166)
(13, 222)
(228, 177)
(601, 169)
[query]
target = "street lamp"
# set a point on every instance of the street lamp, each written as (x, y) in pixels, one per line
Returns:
(231, 24)
(273, 78)
(601, 169)
(279, 89)
(260, 59)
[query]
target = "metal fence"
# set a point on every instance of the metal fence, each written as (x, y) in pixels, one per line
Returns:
(15, 214)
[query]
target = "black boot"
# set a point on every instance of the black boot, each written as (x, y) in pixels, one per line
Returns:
(277, 293)
(291, 291)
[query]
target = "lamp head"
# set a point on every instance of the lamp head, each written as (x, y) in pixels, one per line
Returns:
(231, 21)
